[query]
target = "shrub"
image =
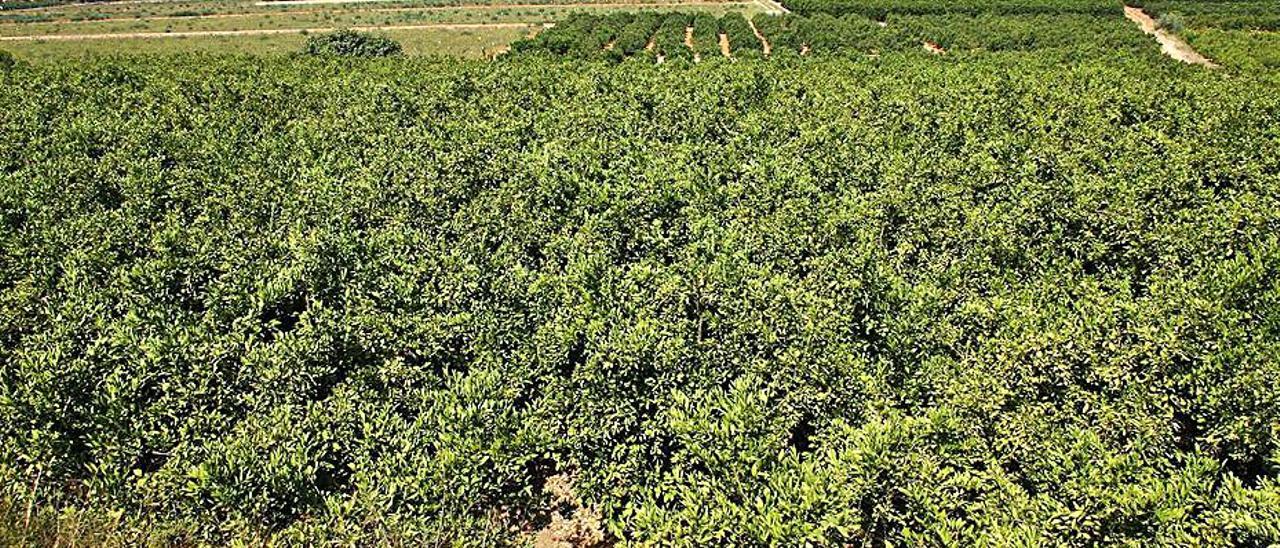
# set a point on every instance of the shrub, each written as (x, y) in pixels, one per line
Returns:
(1171, 22)
(6, 60)
(350, 43)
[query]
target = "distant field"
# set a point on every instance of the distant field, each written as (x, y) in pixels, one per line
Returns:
(469, 43)
(268, 28)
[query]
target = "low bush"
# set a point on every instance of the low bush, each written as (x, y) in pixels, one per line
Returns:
(1171, 22)
(350, 43)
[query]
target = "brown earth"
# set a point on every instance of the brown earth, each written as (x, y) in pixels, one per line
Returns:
(1170, 44)
(764, 42)
(934, 48)
(577, 527)
(688, 43)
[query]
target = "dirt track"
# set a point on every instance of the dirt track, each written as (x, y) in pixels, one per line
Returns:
(764, 42)
(255, 32)
(1170, 44)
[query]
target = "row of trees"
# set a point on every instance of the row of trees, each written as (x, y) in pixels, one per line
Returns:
(828, 34)
(625, 35)
(880, 9)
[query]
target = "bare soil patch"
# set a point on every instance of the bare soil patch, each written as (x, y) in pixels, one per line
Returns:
(934, 48)
(1170, 44)
(773, 7)
(572, 525)
(688, 43)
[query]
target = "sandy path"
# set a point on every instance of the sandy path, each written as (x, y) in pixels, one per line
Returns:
(688, 43)
(773, 6)
(764, 43)
(1170, 44)
(255, 32)
(724, 44)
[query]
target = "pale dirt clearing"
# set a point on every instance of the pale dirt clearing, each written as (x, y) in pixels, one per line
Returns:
(933, 48)
(573, 524)
(1170, 44)
(257, 32)
(773, 7)
(764, 42)
(688, 43)
(724, 44)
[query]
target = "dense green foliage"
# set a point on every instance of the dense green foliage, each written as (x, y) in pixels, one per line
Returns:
(6, 60)
(706, 35)
(350, 43)
(1240, 34)
(852, 34)
(1231, 15)
(879, 9)
(1236, 48)
(669, 39)
(741, 38)
(1101, 35)
(1007, 298)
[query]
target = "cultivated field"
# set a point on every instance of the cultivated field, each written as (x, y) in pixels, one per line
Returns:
(820, 273)
(472, 29)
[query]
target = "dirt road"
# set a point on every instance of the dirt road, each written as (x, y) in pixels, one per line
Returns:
(1170, 44)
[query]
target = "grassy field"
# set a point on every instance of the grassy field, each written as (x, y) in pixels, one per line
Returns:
(243, 27)
(466, 43)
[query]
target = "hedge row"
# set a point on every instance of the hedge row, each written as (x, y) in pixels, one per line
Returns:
(669, 38)
(741, 38)
(880, 9)
(825, 34)
(706, 35)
